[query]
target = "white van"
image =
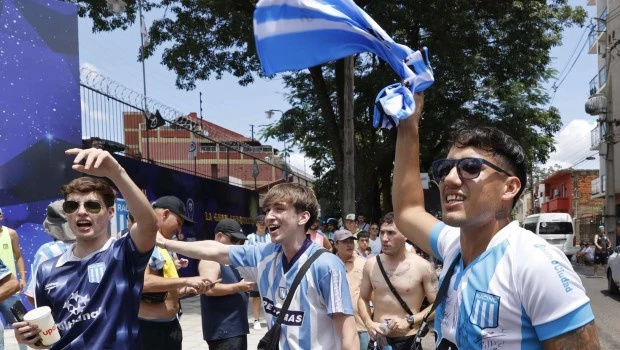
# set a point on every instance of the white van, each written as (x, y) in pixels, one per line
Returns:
(555, 228)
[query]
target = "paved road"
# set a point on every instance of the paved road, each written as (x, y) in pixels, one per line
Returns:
(606, 307)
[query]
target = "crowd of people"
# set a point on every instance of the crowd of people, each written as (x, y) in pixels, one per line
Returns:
(501, 290)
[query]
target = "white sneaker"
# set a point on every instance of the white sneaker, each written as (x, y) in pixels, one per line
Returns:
(257, 326)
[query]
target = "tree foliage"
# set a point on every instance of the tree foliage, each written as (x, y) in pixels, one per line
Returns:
(490, 58)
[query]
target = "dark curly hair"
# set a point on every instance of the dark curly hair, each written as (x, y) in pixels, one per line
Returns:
(499, 144)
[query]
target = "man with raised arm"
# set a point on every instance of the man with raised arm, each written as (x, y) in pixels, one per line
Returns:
(510, 288)
(321, 313)
(94, 288)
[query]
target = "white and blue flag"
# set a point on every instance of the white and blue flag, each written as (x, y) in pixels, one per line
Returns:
(297, 34)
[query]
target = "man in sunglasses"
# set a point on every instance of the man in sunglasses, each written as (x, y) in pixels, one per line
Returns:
(160, 300)
(224, 307)
(94, 288)
(509, 287)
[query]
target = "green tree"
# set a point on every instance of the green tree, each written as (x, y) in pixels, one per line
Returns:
(490, 58)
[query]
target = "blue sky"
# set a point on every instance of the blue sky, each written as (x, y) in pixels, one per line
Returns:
(232, 106)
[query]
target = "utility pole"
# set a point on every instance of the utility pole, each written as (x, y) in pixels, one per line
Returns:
(143, 34)
(252, 130)
(348, 172)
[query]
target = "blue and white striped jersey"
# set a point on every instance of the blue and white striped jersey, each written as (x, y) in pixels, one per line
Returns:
(253, 239)
(45, 252)
(519, 292)
(95, 300)
(323, 292)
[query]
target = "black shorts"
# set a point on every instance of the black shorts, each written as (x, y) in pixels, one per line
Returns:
(234, 343)
(161, 335)
(600, 258)
(397, 343)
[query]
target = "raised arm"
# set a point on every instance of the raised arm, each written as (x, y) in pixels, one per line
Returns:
(19, 259)
(407, 193)
(202, 250)
(101, 163)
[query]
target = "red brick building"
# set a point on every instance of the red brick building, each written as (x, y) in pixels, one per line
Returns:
(224, 155)
(569, 191)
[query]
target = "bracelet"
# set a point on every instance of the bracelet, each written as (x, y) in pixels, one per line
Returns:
(185, 291)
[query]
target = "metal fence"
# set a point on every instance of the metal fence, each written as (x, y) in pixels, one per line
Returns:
(586, 226)
(113, 119)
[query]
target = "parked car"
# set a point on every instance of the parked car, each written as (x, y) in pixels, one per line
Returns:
(613, 271)
(556, 228)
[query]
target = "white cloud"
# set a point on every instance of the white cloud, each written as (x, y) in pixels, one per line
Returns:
(573, 144)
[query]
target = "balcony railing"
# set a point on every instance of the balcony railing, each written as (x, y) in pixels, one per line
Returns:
(599, 81)
(595, 138)
(593, 85)
(556, 205)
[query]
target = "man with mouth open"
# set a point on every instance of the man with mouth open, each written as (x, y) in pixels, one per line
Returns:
(94, 288)
(321, 313)
(509, 288)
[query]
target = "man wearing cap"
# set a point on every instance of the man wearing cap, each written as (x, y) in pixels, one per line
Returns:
(344, 242)
(413, 279)
(350, 224)
(601, 253)
(159, 305)
(224, 307)
(260, 236)
(57, 227)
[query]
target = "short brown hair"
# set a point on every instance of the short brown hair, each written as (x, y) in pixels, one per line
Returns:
(388, 218)
(87, 184)
(301, 197)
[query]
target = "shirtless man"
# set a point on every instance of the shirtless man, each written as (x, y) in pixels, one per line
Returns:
(413, 277)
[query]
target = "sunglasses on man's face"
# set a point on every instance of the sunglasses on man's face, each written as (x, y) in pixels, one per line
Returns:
(91, 206)
(466, 168)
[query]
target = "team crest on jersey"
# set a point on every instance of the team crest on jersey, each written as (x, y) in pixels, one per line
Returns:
(282, 292)
(5, 246)
(485, 310)
(95, 272)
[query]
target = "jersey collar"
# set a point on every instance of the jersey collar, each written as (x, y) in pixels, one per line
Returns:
(68, 256)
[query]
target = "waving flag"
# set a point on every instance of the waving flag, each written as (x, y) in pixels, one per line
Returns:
(297, 34)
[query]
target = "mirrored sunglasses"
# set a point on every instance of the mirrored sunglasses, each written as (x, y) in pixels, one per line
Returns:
(71, 207)
(466, 168)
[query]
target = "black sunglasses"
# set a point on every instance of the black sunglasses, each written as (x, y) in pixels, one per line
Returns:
(71, 207)
(466, 168)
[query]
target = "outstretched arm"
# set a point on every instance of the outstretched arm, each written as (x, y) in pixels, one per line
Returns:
(100, 163)
(202, 250)
(407, 193)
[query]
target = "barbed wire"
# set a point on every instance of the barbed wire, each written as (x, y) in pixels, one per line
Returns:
(98, 82)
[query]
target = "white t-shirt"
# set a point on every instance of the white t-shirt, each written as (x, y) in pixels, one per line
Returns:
(518, 293)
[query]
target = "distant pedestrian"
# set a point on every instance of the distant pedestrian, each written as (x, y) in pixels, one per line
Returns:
(601, 252)
(259, 237)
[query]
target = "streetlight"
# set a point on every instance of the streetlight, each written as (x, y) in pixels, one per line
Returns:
(583, 160)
